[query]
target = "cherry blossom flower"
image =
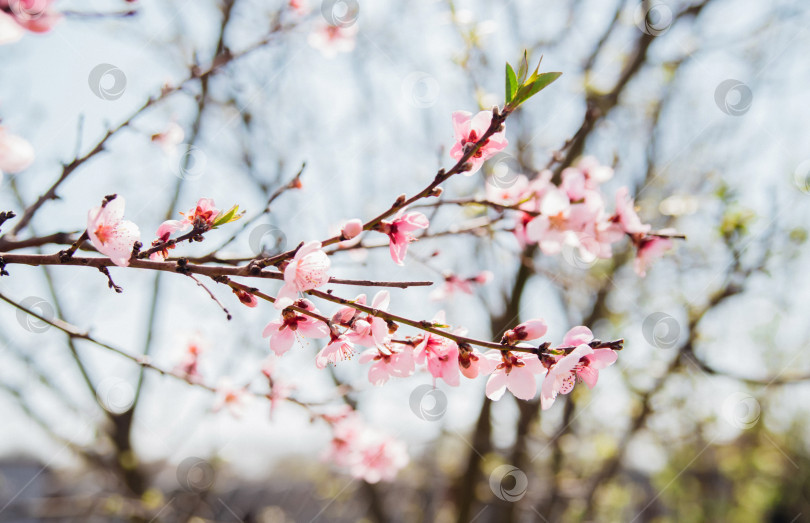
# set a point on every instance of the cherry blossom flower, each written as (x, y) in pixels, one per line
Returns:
(110, 234)
(650, 248)
(234, 398)
(454, 284)
(590, 365)
(583, 362)
(332, 39)
(394, 362)
(282, 331)
(306, 271)
(163, 234)
(515, 371)
(203, 215)
(400, 231)
(552, 229)
(16, 154)
(528, 330)
(381, 458)
(562, 375)
(626, 214)
(514, 193)
(440, 354)
(468, 129)
(189, 365)
(169, 138)
(369, 330)
(339, 348)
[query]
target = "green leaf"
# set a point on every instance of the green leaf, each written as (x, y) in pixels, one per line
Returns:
(534, 86)
(524, 68)
(227, 217)
(511, 83)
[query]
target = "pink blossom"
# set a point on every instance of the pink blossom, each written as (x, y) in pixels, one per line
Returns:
(169, 138)
(381, 458)
(351, 229)
(163, 234)
(514, 371)
(626, 214)
(110, 234)
(189, 365)
(392, 362)
(300, 7)
(332, 39)
(16, 154)
(528, 330)
(649, 248)
(562, 375)
(400, 234)
(371, 331)
(552, 229)
(203, 215)
(511, 195)
(36, 16)
(468, 129)
(440, 354)
(595, 173)
(232, 397)
(306, 271)
(339, 348)
(282, 331)
(590, 365)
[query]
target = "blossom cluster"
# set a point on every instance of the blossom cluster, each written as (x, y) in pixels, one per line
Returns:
(573, 214)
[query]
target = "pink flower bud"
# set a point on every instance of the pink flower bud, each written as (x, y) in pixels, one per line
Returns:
(352, 228)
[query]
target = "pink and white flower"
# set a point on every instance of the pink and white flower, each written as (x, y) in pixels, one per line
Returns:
(369, 330)
(391, 362)
(513, 371)
(562, 376)
(36, 16)
(440, 355)
(282, 332)
(110, 234)
(163, 234)
(626, 214)
(306, 271)
(649, 249)
(203, 215)
(400, 233)
(339, 348)
(469, 129)
(380, 459)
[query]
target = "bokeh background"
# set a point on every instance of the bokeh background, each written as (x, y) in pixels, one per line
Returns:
(701, 107)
